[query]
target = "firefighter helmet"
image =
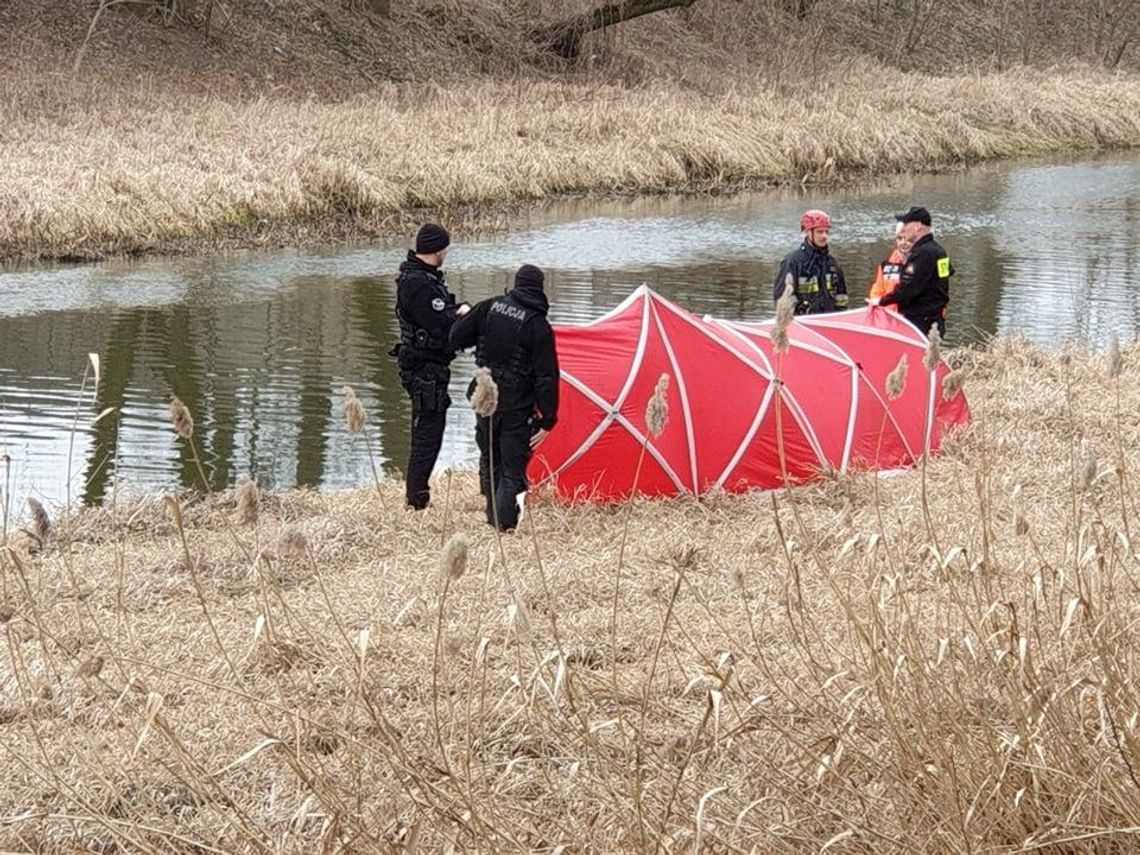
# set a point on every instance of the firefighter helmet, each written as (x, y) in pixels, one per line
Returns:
(814, 219)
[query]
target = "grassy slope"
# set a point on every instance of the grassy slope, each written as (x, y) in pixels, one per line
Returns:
(229, 144)
(849, 676)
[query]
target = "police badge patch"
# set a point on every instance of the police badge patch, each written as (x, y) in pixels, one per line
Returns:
(438, 304)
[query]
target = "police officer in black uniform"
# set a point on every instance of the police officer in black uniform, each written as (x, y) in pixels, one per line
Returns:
(425, 310)
(812, 270)
(923, 291)
(514, 340)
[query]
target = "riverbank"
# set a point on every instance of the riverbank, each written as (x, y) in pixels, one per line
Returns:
(937, 661)
(91, 172)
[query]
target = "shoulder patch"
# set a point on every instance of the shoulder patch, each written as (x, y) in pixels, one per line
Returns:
(438, 304)
(944, 267)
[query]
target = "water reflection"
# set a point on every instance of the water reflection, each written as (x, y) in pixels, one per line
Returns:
(259, 346)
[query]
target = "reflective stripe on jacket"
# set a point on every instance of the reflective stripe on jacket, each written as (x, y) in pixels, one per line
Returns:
(887, 277)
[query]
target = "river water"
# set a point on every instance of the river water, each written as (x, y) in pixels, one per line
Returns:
(259, 345)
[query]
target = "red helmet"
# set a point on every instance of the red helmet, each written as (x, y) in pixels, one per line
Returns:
(814, 219)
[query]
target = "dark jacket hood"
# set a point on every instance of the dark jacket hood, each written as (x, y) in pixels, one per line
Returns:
(530, 298)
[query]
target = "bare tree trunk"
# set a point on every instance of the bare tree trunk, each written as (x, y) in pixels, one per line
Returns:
(565, 37)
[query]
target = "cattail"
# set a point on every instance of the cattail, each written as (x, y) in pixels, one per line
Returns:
(354, 415)
(518, 617)
(933, 354)
(1088, 471)
(785, 310)
(896, 380)
(952, 384)
(248, 501)
(41, 522)
(181, 419)
(1115, 361)
(91, 667)
(657, 410)
(485, 398)
(453, 558)
(292, 543)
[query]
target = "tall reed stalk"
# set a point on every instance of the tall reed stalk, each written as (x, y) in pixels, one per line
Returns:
(656, 416)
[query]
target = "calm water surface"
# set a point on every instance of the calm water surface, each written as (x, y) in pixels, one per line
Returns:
(258, 346)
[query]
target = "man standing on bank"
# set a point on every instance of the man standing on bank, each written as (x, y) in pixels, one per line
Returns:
(425, 310)
(513, 339)
(923, 291)
(812, 271)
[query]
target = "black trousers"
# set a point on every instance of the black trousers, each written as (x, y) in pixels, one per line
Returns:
(925, 324)
(426, 386)
(504, 452)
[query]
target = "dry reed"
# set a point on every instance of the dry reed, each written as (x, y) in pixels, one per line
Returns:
(657, 410)
(980, 696)
(180, 419)
(485, 397)
(1114, 361)
(354, 415)
(41, 522)
(89, 172)
(453, 557)
(248, 500)
(952, 383)
(292, 543)
(896, 380)
(933, 353)
(785, 312)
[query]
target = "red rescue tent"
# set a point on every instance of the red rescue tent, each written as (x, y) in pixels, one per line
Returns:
(726, 408)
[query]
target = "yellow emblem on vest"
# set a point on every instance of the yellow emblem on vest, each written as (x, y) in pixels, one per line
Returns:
(944, 267)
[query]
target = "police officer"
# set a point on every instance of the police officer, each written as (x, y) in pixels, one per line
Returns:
(812, 270)
(513, 339)
(923, 291)
(425, 310)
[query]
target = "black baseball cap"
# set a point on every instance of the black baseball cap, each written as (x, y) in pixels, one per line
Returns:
(915, 215)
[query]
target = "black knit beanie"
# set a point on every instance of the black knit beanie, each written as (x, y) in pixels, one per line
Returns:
(529, 278)
(431, 238)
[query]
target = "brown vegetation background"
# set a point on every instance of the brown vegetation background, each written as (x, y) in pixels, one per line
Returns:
(343, 45)
(939, 661)
(178, 125)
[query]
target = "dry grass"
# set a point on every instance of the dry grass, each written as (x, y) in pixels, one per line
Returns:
(787, 673)
(286, 125)
(89, 172)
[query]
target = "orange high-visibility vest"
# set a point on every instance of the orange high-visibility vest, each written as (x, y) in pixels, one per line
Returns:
(887, 277)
